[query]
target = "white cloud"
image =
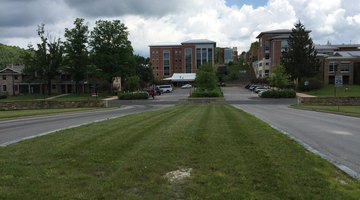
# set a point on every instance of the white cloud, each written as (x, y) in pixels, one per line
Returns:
(174, 21)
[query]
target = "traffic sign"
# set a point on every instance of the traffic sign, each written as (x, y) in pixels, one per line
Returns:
(338, 81)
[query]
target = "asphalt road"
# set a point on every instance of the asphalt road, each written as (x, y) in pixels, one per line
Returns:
(15, 130)
(334, 137)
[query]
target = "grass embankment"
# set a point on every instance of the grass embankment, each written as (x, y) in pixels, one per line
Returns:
(328, 91)
(26, 113)
(232, 156)
(67, 97)
(346, 110)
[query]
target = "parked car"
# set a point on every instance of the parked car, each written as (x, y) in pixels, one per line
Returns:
(221, 84)
(186, 86)
(165, 88)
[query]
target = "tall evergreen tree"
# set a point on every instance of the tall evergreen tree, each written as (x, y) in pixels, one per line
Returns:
(76, 53)
(300, 58)
(112, 52)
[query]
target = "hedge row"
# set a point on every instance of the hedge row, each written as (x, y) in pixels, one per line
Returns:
(203, 93)
(279, 94)
(133, 95)
(3, 96)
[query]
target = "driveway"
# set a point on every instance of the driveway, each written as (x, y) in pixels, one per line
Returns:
(334, 137)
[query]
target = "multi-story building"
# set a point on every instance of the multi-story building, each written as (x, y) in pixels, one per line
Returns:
(14, 82)
(340, 60)
(185, 58)
(271, 46)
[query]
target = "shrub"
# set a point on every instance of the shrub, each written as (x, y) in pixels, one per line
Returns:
(133, 95)
(3, 96)
(278, 94)
(211, 93)
(313, 84)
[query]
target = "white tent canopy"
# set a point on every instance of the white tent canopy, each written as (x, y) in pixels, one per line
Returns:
(182, 77)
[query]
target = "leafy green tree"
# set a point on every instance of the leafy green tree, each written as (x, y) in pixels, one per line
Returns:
(144, 70)
(111, 50)
(76, 53)
(300, 58)
(45, 61)
(279, 78)
(10, 55)
(206, 77)
(132, 83)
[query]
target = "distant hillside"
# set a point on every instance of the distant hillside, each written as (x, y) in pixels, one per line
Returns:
(10, 55)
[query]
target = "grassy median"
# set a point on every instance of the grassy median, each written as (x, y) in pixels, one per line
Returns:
(226, 153)
(27, 113)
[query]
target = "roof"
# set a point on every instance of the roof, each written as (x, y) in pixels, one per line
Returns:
(14, 68)
(199, 41)
(166, 45)
(181, 77)
(352, 54)
(284, 36)
(325, 47)
(278, 31)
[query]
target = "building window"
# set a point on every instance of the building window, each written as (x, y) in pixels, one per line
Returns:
(345, 67)
(198, 57)
(153, 52)
(204, 55)
(157, 52)
(346, 80)
(16, 77)
(188, 60)
(284, 45)
(4, 88)
(166, 62)
(210, 55)
(331, 80)
(16, 88)
(53, 87)
(333, 67)
(4, 77)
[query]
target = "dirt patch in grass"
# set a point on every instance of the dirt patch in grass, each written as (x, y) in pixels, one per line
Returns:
(178, 176)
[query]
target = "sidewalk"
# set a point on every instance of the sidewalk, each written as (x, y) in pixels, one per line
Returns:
(54, 97)
(111, 98)
(298, 94)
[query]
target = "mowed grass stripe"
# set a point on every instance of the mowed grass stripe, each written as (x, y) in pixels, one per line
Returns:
(233, 156)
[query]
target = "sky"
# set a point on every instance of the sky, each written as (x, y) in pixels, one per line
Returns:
(230, 23)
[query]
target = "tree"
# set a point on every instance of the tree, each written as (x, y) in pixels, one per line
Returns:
(44, 63)
(76, 53)
(300, 58)
(10, 55)
(206, 77)
(144, 70)
(279, 78)
(111, 50)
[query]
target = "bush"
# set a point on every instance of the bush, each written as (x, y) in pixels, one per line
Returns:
(313, 84)
(133, 95)
(3, 96)
(278, 94)
(211, 93)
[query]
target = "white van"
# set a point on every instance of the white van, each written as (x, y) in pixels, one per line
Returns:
(165, 88)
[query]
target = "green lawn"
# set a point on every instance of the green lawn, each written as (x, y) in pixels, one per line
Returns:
(25, 113)
(232, 156)
(26, 97)
(328, 91)
(69, 97)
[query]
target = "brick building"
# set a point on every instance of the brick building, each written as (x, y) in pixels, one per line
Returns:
(340, 60)
(185, 58)
(271, 46)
